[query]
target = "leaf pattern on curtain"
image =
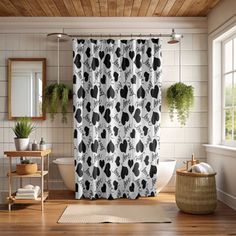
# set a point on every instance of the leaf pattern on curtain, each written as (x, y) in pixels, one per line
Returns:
(117, 105)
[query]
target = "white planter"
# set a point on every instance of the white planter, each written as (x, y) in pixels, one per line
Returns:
(22, 144)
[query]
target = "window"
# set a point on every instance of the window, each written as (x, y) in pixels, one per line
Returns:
(229, 89)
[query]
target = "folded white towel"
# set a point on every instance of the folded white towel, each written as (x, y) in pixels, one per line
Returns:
(201, 168)
(27, 190)
(27, 193)
(26, 197)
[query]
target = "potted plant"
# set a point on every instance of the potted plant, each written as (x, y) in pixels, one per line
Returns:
(180, 99)
(22, 130)
(56, 96)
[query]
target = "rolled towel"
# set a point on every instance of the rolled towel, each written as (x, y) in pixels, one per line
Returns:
(201, 168)
(207, 167)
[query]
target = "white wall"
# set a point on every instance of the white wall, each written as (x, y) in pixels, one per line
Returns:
(221, 21)
(20, 37)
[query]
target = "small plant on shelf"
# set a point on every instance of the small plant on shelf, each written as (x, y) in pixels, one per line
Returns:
(22, 129)
(180, 98)
(57, 96)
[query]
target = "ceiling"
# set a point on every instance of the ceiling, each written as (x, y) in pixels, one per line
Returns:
(106, 7)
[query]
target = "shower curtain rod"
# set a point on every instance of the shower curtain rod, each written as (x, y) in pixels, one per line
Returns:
(119, 35)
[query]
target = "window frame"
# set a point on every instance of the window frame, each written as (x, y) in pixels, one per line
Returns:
(232, 38)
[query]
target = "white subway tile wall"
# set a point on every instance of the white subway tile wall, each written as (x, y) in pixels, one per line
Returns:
(176, 142)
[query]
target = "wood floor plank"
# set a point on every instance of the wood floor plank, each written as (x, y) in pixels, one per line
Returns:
(28, 220)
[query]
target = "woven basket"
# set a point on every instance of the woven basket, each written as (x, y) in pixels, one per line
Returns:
(26, 169)
(195, 192)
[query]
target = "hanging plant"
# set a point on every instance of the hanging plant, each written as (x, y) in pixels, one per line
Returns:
(180, 99)
(57, 96)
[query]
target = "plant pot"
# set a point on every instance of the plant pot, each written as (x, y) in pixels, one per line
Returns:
(26, 169)
(22, 144)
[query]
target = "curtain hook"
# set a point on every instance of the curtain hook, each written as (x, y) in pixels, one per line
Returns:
(139, 36)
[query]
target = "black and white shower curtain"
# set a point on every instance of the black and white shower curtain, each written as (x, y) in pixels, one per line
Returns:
(117, 104)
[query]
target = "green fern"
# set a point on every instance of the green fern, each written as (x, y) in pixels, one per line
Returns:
(180, 97)
(57, 96)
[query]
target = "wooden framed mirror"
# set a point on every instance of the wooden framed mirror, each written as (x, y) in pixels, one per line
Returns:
(26, 84)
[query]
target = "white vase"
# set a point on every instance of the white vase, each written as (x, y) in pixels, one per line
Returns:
(22, 144)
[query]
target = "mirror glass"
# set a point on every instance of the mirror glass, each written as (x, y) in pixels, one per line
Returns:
(26, 81)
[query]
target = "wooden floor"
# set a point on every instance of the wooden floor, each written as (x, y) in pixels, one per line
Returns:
(30, 221)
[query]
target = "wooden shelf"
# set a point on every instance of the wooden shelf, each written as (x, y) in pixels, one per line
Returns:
(29, 201)
(27, 153)
(35, 175)
(44, 156)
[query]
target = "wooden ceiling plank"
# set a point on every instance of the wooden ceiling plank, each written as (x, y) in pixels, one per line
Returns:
(128, 7)
(8, 9)
(78, 7)
(70, 7)
(152, 7)
(178, 4)
(52, 6)
(22, 7)
(211, 4)
(184, 8)
(61, 7)
(120, 8)
(103, 7)
(45, 7)
(144, 7)
(159, 8)
(3, 11)
(86, 4)
(95, 7)
(135, 8)
(196, 7)
(35, 8)
(112, 5)
(168, 7)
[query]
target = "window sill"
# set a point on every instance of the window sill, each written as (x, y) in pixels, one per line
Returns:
(221, 149)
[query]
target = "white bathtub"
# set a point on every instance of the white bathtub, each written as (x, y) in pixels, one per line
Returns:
(66, 168)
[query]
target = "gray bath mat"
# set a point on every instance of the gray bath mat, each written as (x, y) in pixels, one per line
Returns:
(90, 214)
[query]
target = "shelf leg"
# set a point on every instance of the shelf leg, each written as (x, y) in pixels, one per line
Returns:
(42, 182)
(9, 182)
(48, 172)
